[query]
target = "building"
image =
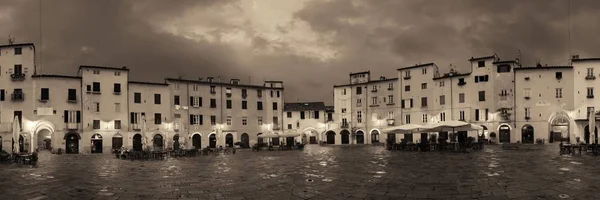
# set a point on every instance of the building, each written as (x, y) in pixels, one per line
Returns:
(511, 102)
(311, 119)
(81, 115)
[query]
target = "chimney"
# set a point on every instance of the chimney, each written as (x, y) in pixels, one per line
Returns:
(382, 78)
(235, 81)
(200, 78)
(209, 79)
(575, 57)
(124, 67)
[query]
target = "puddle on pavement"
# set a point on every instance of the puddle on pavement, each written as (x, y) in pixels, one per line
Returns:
(380, 172)
(376, 176)
(576, 163)
(564, 169)
(563, 196)
(326, 180)
(577, 180)
(323, 163)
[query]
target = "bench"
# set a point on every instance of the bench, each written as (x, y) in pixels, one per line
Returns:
(511, 146)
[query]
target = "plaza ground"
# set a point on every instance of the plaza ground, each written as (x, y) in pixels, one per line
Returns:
(318, 172)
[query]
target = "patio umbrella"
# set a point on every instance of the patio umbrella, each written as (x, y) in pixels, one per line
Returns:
(289, 134)
(269, 135)
(16, 131)
(405, 128)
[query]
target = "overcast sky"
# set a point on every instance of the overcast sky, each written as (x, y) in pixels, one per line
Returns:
(309, 44)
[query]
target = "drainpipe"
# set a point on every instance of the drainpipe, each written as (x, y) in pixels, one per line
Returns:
(366, 112)
(187, 97)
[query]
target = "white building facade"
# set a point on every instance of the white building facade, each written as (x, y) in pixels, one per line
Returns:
(311, 119)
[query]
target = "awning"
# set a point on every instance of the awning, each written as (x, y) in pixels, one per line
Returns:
(405, 128)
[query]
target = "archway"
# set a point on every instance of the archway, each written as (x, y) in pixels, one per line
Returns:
(71, 143)
(587, 134)
(229, 140)
(504, 133)
(345, 136)
(374, 136)
(330, 137)
(309, 135)
(212, 141)
(259, 140)
(559, 128)
(360, 137)
(44, 139)
(176, 142)
(527, 134)
(158, 143)
(482, 134)
(96, 146)
(245, 140)
(137, 142)
(197, 141)
(117, 141)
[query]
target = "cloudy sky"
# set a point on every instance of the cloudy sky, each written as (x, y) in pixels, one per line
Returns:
(309, 44)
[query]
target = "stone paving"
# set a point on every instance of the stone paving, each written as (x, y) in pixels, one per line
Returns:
(318, 172)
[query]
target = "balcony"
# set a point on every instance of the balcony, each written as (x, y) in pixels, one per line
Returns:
(527, 78)
(527, 97)
(406, 77)
(590, 77)
(590, 96)
(527, 118)
(71, 100)
(213, 92)
(461, 83)
(276, 127)
(344, 125)
(17, 96)
(117, 93)
(391, 122)
(72, 126)
(136, 127)
(228, 94)
(391, 88)
(17, 77)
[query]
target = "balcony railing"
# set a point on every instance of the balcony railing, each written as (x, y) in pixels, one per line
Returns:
(17, 96)
(72, 126)
(136, 127)
(213, 92)
(590, 96)
(406, 77)
(17, 77)
(345, 125)
(228, 94)
(462, 83)
(117, 93)
(391, 122)
(590, 77)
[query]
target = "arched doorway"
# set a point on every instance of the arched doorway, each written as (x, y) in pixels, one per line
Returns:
(559, 128)
(345, 136)
(245, 140)
(259, 140)
(71, 143)
(197, 141)
(44, 139)
(229, 140)
(176, 142)
(527, 134)
(374, 136)
(158, 143)
(117, 141)
(482, 134)
(330, 137)
(360, 137)
(137, 142)
(212, 141)
(96, 145)
(587, 134)
(391, 138)
(504, 134)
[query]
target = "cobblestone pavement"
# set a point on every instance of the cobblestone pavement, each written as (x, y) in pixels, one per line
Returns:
(318, 172)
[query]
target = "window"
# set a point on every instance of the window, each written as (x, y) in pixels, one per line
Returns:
(117, 88)
(137, 97)
(229, 119)
(503, 69)
(244, 105)
(117, 107)
(481, 64)
(302, 115)
(213, 120)
(176, 100)
(96, 71)
(289, 114)
(274, 105)
(461, 98)
(213, 103)
(424, 118)
(260, 121)
(390, 86)
(590, 92)
(481, 95)
(402, 103)
(411, 103)
(527, 112)
(374, 88)
(2, 95)
(358, 90)
(481, 78)
(390, 99)
(487, 114)
(96, 87)
(228, 104)
(96, 124)
(134, 118)
(443, 116)
(407, 118)
(197, 120)
(117, 73)
(228, 91)
(461, 115)
(289, 126)
(442, 99)
(344, 91)
(278, 95)
(476, 114)
(559, 93)
(406, 74)
(441, 83)
(72, 95)
(157, 118)
(97, 106)
(244, 121)
(72, 116)
(45, 96)
(259, 93)
(271, 93)
(590, 72)
(244, 93)
(424, 71)
(423, 101)
(316, 114)
(117, 124)
(407, 88)
(259, 105)
(503, 94)
(18, 50)
(88, 88)
(195, 88)
(18, 70)
(390, 115)
(527, 92)
(374, 101)
(177, 116)
(343, 110)
(196, 102)
(558, 75)
(423, 86)
(212, 89)
(359, 116)
(156, 98)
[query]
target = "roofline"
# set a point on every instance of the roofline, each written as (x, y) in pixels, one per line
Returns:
(483, 57)
(222, 84)
(543, 67)
(17, 45)
(452, 76)
(147, 83)
(504, 62)
(416, 66)
(103, 67)
(585, 59)
(273, 81)
(372, 81)
(55, 76)
(363, 72)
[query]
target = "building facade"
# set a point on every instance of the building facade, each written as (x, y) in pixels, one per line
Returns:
(101, 109)
(311, 119)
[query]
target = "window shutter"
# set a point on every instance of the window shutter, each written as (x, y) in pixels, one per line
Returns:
(192, 119)
(132, 118)
(66, 116)
(78, 116)
(200, 101)
(200, 119)
(191, 101)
